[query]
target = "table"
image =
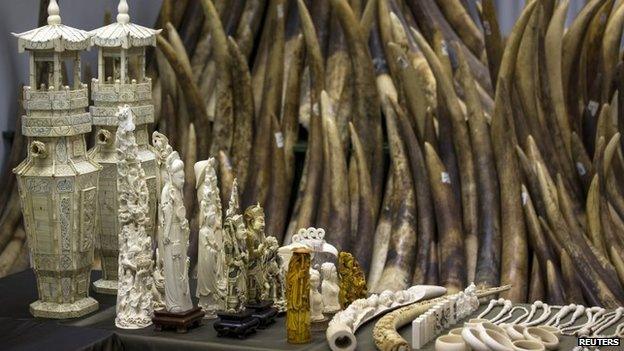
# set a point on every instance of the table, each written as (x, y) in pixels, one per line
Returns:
(97, 331)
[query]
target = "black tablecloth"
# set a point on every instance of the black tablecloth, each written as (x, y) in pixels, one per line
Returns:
(97, 331)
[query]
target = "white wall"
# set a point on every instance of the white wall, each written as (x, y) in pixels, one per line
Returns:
(21, 15)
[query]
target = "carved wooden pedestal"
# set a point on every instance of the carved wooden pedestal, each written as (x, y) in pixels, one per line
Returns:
(181, 322)
(264, 312)
(238, 325)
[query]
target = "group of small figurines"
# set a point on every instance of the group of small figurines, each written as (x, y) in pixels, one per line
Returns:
(237, 263)
(240, 277)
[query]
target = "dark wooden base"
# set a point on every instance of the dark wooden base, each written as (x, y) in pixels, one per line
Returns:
(239, 325)
(264, 312)
(180, 322)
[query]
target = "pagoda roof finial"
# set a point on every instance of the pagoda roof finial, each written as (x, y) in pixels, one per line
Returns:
(122, 12)
(54, 13)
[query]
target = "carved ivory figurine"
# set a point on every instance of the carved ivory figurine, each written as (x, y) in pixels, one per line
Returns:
(211, 278)
(256, 246)
(330, 288)
(236, 262)
(316, 300)
(135, 285)
(274, 275)
(163, 150)
(352, 282)
(175, 229)
(298, 297)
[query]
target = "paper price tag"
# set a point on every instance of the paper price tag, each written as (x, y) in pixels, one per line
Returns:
(444, 48)
(486, 28)
(280, 11)
(446, 179)
(525, 198)
(402, 62)
(279, 140)
(592, 106)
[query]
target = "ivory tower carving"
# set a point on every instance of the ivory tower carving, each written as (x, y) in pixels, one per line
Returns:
(58, 181)
(120, 44)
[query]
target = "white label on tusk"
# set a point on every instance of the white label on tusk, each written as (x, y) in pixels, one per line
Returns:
(486, 28)
(402, 62)
(445, 178)
(525, 198)
(581, 169)
(592, 106)
(279, 139)
(444, 48)
(280, 11)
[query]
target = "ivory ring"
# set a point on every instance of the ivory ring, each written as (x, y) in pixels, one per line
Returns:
(528, 345)
(450, 343)
(515, 331)
(547, 338)
(471, 337)
(495, 340)
(554, 330)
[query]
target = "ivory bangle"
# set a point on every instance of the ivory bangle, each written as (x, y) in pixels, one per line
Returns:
(471, 336)
(547, 338)
(450, 343)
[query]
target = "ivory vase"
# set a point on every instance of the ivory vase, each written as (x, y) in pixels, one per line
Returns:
(58, 184)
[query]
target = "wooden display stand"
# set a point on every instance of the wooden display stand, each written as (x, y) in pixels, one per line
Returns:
(239, 325)
(181, 322)
(264, 312)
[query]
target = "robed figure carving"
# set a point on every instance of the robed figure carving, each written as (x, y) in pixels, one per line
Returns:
(274, 284)
(175, 229)
(236, 262)
(298, 297)
(211, 277)
(257, 288)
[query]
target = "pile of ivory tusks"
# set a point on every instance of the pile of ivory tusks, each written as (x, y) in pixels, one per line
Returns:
(436, 151)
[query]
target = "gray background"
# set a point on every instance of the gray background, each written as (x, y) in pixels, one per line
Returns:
(21, 15)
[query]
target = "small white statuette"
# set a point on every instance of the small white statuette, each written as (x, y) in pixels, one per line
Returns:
(330, 288)
(175, 229)
(316, 300)
(211, 278)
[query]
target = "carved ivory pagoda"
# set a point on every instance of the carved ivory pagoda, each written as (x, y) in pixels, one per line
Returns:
(58, 180)
(120, 44)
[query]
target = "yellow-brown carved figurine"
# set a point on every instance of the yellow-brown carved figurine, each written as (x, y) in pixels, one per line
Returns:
(298, 297)
(352, 281)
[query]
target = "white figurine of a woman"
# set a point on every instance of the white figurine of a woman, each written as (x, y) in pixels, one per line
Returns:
(316, 300)
(175, 229)
(330, 288)
(211, 280)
